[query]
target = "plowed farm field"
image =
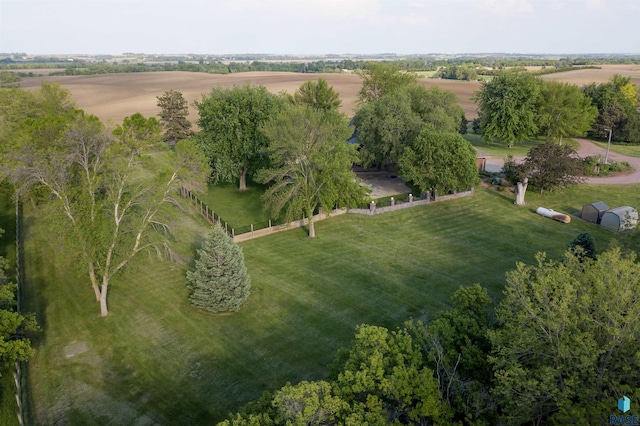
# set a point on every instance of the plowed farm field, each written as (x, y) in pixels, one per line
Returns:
(115, 96)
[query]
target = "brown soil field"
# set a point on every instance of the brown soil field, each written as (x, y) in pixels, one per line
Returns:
(114, 96)
(587, 76)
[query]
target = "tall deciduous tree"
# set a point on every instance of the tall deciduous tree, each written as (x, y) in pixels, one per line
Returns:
(437, 107)
(439, 160)
(379, 79)
(564, 111)
(508, 106)
(385, 127)
(219, 281)
(567, 344)
(41, 115)
(617, 102)
(114, 208)
(317, 95)
(174, 113)
(311, 164)
(231, 136)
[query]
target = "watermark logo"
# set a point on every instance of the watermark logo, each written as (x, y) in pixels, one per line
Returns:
(624, 405)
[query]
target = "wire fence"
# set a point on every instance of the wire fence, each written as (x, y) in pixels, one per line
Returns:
(381, 205)
(19, 376)
(206, 211)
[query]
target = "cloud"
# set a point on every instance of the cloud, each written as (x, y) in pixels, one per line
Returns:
(332, 9)
(595, 5)
(507, 7)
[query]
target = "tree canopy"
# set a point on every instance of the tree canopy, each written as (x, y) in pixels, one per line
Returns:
(508, 106)
(137, 129)
(439, 160)
(317, 95)
(15, 327)
(559, 348)
(380, 78)
(564, 111)
(549, 166)
(231, 135)
(310, 164)
(617, 102)
(566, 346)
(385, 127)
(102, 189)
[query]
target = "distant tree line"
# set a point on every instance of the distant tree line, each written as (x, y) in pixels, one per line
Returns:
(464, 65)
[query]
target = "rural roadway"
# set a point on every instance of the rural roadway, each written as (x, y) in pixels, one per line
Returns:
(586, 149)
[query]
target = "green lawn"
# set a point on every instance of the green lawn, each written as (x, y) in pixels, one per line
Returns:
(154, 360)
(499, 149)
(630, 150)
(239, 209)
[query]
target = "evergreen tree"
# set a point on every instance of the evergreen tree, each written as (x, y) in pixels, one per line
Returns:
(220, 281)
(583, 245)
(173, 115)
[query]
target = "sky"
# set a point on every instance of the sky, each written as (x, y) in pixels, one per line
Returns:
(319, 26)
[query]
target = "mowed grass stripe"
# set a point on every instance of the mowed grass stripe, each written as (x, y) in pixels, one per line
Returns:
(157, 359)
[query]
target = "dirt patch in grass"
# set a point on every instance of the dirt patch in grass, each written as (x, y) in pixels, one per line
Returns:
(383, 184)
(75, 349)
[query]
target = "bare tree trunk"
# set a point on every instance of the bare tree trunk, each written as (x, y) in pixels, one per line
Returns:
(312, 229)
(243, 179)
(103, 297)
(521, 188)
(94, 283)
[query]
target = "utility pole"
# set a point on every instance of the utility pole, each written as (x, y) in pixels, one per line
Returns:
(606, 156)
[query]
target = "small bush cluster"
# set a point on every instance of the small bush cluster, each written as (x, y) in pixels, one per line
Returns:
(593, 166)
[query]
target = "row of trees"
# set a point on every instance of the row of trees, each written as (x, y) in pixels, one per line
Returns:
(297, 143)
(560, 347)
(515, 106)
(15, 328)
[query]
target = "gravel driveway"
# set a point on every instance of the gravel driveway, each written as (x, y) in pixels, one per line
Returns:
(586, 149)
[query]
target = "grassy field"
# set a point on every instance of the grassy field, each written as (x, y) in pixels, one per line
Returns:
(627, 149)
(155, 360)
(499, 149)
(236, 208)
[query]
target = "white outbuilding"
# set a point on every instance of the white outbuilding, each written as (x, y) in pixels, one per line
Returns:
(620, 219)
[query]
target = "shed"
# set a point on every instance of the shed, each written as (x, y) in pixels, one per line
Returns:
(620, 218)
(593, 212)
